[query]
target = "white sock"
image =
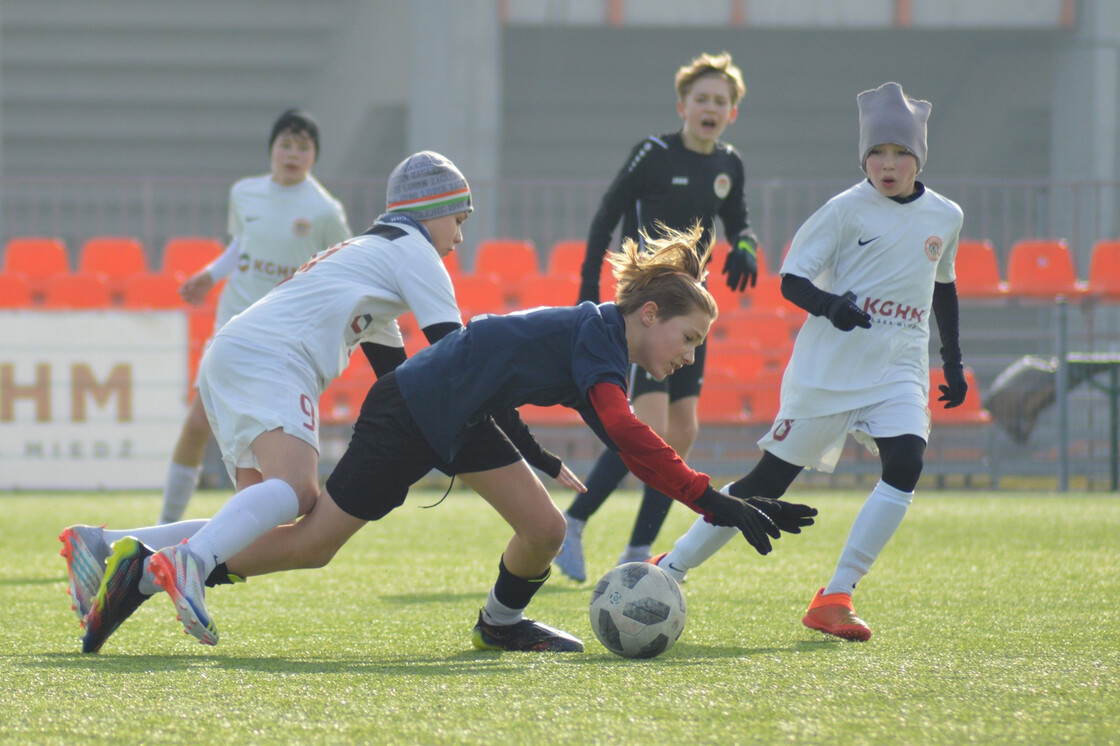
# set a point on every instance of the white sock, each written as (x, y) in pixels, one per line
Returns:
(158, 537)
(696, 545)
(248, 515)
(497, 613)
(876, 523)
(177, 491)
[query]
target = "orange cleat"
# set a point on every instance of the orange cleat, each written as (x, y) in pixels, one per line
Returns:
(833, 615)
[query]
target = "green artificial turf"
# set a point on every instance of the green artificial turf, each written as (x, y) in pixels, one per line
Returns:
(995, 621)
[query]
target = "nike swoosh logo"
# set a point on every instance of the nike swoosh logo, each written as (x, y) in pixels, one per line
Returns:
(249, 219)
(674, 568)
(861, 242)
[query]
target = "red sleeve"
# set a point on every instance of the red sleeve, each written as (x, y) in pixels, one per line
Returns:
(648, 457)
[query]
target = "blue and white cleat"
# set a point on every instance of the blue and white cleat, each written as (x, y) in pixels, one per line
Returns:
(85, 552)
(177, 571)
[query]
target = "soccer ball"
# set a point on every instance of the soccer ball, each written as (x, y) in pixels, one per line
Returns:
(637, 610)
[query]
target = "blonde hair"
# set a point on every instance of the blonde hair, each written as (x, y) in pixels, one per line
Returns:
(707, 64)
(670, 271)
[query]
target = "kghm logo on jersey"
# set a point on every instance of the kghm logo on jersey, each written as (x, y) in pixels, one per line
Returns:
(301, 228)
(933, 248)
(722, 185)
(243, 262)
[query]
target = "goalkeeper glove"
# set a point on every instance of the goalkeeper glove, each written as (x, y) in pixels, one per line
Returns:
(741, 264)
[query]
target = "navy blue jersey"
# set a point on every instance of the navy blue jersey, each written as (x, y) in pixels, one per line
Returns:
(544, 356)
(663, 181)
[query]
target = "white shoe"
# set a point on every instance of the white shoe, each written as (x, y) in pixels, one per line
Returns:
(570, 559)
(675, 572)
(85, 551)
(177, 571)
(634, 554)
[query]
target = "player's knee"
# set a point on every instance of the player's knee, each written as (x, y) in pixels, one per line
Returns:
(307, 492)
(546, 535)
(312, 558)
(903, 467)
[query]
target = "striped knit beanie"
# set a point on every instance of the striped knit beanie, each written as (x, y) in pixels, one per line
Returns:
(425, 186)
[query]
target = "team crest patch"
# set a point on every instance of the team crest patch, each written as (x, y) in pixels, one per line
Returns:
(781, 429)
(301, 228)
(722, 185)
(933, 248)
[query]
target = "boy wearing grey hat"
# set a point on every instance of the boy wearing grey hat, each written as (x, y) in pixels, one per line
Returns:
(869, 266)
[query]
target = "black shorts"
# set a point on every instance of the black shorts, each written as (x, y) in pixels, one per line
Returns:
(685, 382)
(388, 454)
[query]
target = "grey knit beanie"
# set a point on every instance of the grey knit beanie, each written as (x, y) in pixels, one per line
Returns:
(886, 115)
(426, 185)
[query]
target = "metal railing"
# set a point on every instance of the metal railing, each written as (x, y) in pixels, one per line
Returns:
(542, 210)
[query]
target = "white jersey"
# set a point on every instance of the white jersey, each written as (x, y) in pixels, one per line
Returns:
(889, 254)
(352, 292)
(277, 229)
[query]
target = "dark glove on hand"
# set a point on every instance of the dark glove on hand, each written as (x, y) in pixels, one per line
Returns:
(741, 264)
(845, 315)
(789, 517)
(954, 388)
(724, 510)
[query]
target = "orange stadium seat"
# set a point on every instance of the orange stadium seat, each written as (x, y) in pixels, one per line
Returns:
(722, 400)
(566, 257)
(115, 258)
(342, 401)
(557, 415)
(744, 362)
(155, 290)
(477, 294)
(451, 261)
(978, 270)
(548, 290)
(727, 300)
(754, 329)
(510, 259)
(185, 255)
(15, 292)
(37, 258)
(763, 395)
(1104, 270)
(968, 413)
(78, 291)
(200, 325)
(1042, 268)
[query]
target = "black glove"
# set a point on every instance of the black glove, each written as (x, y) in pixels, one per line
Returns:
(789, 517)
(725, 510)
(741, 264)
(845, 315)
(955, 387)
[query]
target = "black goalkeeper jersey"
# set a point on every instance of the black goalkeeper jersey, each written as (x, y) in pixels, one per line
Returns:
(665, 182)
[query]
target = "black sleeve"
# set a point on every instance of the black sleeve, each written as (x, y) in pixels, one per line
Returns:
(383, 358)
(946, 309)
(620, 195)
(518, 433)
(733, 212)
(436, 332)
(804, 294)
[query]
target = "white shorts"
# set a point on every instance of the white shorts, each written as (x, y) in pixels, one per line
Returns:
(247, 391)
(816, 442)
